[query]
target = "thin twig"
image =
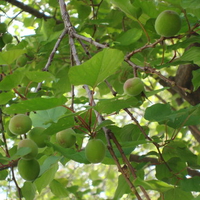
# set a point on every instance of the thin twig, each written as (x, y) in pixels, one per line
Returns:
(51, 56)
(50, 59)
(3, 134)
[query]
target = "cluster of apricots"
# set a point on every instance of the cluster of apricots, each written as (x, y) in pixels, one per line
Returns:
(36, 138)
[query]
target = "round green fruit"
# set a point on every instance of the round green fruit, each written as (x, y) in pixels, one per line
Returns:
(66, 138)
(28, 169)
(7, 38)
(3, 27)
(20, 124)
(168, 23)
(36, 134)
(33, 147)
(95, 150)
(133, 86)
(22, 60)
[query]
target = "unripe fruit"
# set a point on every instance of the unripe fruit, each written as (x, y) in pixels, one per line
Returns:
(66, 138)
(20, 124)
(22, 60)
(32, 145)
(3, 27)
(133, 86)
(28, 169)
(168, 23)
(7, 38)
(95, 150)
(36, 134)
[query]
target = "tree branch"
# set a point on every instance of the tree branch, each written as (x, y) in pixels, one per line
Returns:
(30, 10)
(154, 161)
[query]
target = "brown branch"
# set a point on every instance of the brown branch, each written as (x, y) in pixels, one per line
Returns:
(3, 135)
(154, 161)
(16, 184)
(51, 56)
(28, 9)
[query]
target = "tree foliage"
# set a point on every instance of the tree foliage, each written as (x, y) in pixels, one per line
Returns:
(70, 73)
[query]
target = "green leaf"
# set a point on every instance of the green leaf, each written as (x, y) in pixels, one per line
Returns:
(195, 79)
(58, 189)
(162, 172)
(175, 164)
(47, 28)
(61, 124)
(129, 37)
(97, 69)
(191, 55)
(53, 3)
(122, 188)
(34, 105)
(28, 190)
(130, 133)
(37, 76)
(191, 184)
(194, 4)
(46, 178)
(83, 11)
(153, 185)
(154, 92)
(70, 153)
(115, 104)
(177, 193)
(158, 112)
(44, 118)
(62, 84)
(3, 174)
(8, 57)
(163, 114)
(5, 97)
(13, 80)
(127, 8)
(48, 163)
(21, 152)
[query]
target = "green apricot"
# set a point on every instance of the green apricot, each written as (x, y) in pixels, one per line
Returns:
(20, 124)
(32, 145)
(133, 86)
(28, 169)
(95, 150)
(22, 60)
(36, 134)
(168, 23)
(3, 27)
(7, 38)
(66, 138)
